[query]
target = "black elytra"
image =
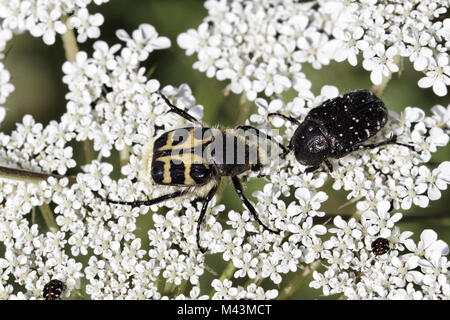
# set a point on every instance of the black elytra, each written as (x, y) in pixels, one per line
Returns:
(194, 159)
(380, 246)
(338, 127)
(53, 290)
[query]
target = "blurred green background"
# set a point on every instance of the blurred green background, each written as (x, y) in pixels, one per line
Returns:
(36, 73)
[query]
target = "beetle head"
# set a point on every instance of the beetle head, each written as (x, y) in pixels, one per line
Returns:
(310, 145)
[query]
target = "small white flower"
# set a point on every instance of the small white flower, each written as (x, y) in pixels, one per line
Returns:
(310, 203)
(417, 49)
(349, 49)
(412, 193)
(436, 181)
(246, 266)
(48, 26)
(381, 222)
(87, 25)
(428, 243)
(380, 61)
(437, 75)
(410, 293)
(144, 40)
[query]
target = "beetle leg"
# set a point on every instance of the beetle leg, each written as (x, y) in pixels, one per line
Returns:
(264, 136)
(290, 119)
(287, 150)
(311, 169)
(208, 198)
(178, 111)
(150, 202)
(238, 186)
(329, 165)
(392, 140)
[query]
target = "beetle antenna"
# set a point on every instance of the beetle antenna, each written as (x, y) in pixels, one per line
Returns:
(178, 111)
(288, 118)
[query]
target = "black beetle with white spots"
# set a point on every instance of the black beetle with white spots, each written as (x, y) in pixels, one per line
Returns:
(338, 127)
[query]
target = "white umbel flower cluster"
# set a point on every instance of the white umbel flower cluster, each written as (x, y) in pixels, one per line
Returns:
(49, 18)
(379, 180)
(392, 173)
(260, 46)
(408, 271)
(45, 19)
(112, 104)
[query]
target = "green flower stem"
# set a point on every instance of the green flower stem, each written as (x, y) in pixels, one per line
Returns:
(211, 270)
(88, 150)
(181, 289)
(256, 281)
(71, 49)
(378, 89)
(298, 280)
(349, 202)
(244, 110)
(228, 272)
(69, 42)
(169, 288)
(124, 156)
(161, 284)
(49, 219)
(33, 215)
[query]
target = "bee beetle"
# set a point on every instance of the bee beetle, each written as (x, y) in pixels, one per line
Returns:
(192, 161)
(53, 290)
(380, 246)
(338, 127)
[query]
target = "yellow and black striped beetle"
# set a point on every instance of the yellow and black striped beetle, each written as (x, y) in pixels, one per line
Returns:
(193, 160)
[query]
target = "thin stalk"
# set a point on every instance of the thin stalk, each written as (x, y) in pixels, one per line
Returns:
(88, 150)
(30, 176)
(256, 281)
(49, 219)
(349, 202)
(296, 283)
(169, 287)
(69, 42)
(33, 216)
(124, 155)
(228, 272)
(161, 285)
(181, 288)
(71, 49)
(211, 270)
(243, 112)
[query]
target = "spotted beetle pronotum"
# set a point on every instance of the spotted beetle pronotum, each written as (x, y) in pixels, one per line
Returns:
(338, 127)
(192, 161)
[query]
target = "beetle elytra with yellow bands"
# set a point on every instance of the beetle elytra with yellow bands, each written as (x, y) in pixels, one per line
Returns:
(192, 160)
